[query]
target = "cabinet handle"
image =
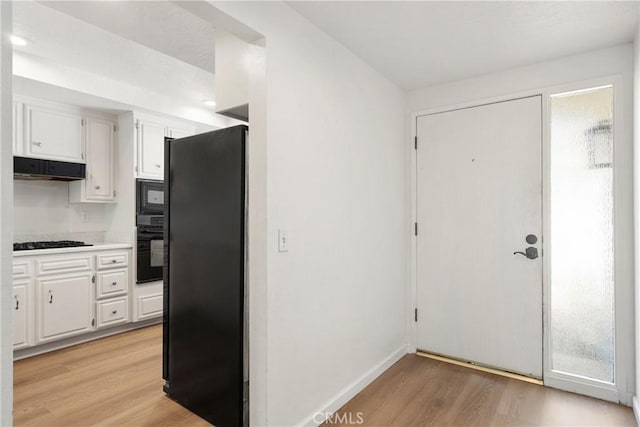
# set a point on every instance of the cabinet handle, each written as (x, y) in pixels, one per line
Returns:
(157, 165)
(114, 312)
(50, 296)
(113, 261)
(97, 187)
(37, 143)
(17, 302)
(114, 283)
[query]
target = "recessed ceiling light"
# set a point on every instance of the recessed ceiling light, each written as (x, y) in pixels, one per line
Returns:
(209, 102)
(18, 41)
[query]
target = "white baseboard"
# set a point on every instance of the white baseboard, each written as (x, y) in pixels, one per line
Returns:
(636, 409)
(346, 394)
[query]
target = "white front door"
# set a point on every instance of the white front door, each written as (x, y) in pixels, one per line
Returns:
(479, 195)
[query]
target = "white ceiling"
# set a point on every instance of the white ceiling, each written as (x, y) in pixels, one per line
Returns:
(159, 25)
(70, 42)
(419, 44)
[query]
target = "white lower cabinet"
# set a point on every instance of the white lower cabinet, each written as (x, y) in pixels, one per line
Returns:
(112, 287)
(57, 296)
(112, 282)
(22, 314)
(149, 306)
(111, 312)
(65, 306)
(148, 300)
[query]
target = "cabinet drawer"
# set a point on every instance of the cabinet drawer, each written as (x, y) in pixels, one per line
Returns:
(112, 312)
(112, 282)
(66, 264)
(149, 306)
(112, 260)
(21, 269)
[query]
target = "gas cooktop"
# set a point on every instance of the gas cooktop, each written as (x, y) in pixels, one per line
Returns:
(26, 246)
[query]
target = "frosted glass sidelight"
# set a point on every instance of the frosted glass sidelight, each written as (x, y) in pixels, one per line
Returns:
(582, 273)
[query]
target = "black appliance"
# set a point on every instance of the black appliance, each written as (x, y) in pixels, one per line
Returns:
(27, 246)
(149, 222)
(149, 253)
(27, 168)
(205, 353)
(149, 197)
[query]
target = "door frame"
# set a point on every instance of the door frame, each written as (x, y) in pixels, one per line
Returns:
(624, 340)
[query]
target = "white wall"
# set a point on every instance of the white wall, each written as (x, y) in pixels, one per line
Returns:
(605, 63)
(6, 218)
(591, 65)
(335, 152)
(42, 212)
(636, 206)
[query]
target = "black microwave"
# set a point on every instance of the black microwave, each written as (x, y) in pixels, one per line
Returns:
(149, 197)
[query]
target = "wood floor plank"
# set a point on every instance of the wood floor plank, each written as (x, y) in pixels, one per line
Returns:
(117, 381)
(425, 392)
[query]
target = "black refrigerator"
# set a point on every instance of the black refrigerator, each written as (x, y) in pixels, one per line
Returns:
(205, 354)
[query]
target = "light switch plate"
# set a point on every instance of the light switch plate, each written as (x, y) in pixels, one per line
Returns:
(283, 241)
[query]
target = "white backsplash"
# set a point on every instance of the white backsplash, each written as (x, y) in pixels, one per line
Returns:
(42, 212)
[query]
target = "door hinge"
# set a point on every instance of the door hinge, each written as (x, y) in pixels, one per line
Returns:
(115, 128)
(415, 142)
(415, 228)
(114, 193)
(82, 156)
(93, 279)
(82, 121)
(415, 314)
(137, 124)
(93, 322)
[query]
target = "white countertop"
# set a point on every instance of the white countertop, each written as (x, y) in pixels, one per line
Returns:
(95, 247)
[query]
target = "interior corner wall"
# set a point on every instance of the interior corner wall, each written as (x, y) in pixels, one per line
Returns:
(335, 150)
(6, 218)
(636, 208)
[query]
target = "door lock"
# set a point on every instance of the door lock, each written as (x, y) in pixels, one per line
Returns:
(530, 252)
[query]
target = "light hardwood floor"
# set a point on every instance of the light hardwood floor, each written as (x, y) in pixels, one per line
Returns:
(418, 392)
(114, 381)
(117, 381)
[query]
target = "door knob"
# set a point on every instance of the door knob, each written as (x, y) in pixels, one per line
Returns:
(531, 239)
(530, 252)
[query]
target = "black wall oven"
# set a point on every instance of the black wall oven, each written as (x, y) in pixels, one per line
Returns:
(150, 224)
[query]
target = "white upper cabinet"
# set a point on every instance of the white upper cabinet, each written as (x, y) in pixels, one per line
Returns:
(54, 134)
(18, 140)
(150, 149)
(99, 186)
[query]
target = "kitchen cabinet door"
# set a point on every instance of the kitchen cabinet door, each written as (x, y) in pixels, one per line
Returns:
(53, 134)
(18, 140)
(22, 314)
(100, 184)
(65, 306)
(150, 150)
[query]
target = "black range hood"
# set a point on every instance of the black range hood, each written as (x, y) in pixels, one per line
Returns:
(39, 169)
